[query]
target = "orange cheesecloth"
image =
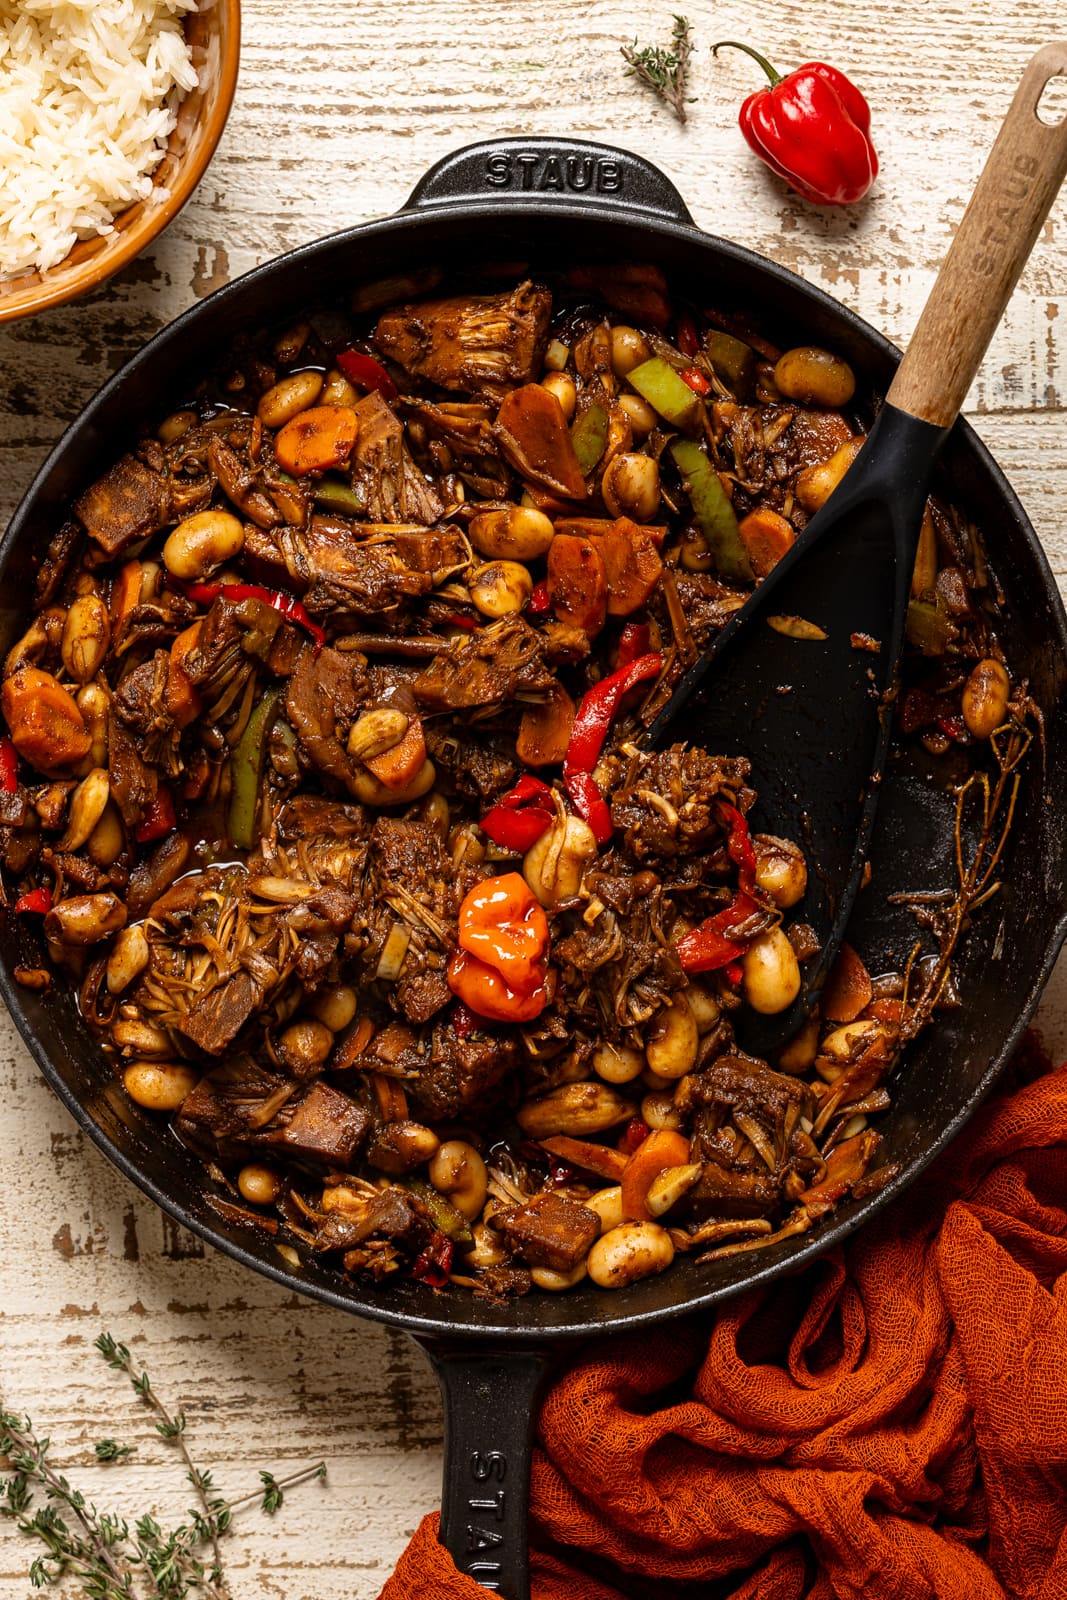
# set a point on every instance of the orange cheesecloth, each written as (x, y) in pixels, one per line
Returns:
(890, 1423)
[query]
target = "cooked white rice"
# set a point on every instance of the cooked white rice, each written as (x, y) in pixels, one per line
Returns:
(89, 91)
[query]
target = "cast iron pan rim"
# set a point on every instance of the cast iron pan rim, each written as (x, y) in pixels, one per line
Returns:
(788, 1256)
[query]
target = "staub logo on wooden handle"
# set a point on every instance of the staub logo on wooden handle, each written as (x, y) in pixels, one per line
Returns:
(534, 171)
(998, 232)
(481, 1558)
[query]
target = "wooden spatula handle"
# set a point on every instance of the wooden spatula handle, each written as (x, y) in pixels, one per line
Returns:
(1015, 193)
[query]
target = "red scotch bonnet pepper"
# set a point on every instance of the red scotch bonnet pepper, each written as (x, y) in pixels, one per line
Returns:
(811, 127)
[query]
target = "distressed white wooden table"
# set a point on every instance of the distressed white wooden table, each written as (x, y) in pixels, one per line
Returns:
(338, 111)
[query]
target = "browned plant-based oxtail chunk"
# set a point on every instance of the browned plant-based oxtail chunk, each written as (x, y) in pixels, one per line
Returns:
(551, 1230)
(481, 345)
(128, 503)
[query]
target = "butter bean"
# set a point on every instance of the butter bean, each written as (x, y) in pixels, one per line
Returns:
(288, 397)
(632, 1251)
(574, 1108)
(704, 1006)
(500, 588)
(304, 1045)
(203, 542)
(781, 870)
(629, 348)
(607, 1203)
(639, 413)
(659, 1111)
(516, 533)
(86, 636)
(561, 384)
(770, 973)
(337, 391)
(815, 377)
(86, 808)
(671, 1039)
(260, 1186)
(335, 1006)
(128, 959)
(458, 1172)
(617, 1063)
(159, 1085)
(555, 864)
(85, 918)
(555, 1282)
(630, 486)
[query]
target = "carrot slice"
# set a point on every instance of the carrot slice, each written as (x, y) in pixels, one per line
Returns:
(662, 1149)
(534, 436)
(545, 730)
(847, 989)
(631, 564)
(766, 537)
(125, 594)
(46, 727)
(397, 766)
(598, 1158)
(316, 440)
(181, 697)
(577, 583)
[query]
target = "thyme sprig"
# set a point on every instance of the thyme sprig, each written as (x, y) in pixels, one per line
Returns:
(97, 1548)
(665, 71)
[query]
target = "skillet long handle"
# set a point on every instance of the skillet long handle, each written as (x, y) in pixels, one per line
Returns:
(490, 1399)
(1015, 193)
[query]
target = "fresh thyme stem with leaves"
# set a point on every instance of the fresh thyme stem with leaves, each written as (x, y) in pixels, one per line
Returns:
(665, 71)
(97, 1548)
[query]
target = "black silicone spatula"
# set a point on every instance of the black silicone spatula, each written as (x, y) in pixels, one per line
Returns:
(812, 715)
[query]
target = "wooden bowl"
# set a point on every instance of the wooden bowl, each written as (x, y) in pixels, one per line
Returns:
(214, 35)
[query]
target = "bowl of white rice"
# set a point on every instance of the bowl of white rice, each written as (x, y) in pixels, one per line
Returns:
(110, 111)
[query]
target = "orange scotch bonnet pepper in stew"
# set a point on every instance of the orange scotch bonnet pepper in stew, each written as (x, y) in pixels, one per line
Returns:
(501, 966)
(811, 127)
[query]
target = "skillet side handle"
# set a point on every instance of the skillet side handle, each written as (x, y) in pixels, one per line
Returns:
(1015, 194)
(566, 170)
(490, 1399)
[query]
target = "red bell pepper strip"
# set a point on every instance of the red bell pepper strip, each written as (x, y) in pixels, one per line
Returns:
(9, 766)
(589, 803)
(685, 335)
(734, 973)
(38, 901)
(515, 822)
(526, 789)
(516, 830)
(696, 380)
(598, 709)
(539, 601)
(206, 593)
(592, 720)
(634, 641)
(811, 127)
(158, 818)
(433, 1264)
(739, 846)
(708, 947)
(366, 373)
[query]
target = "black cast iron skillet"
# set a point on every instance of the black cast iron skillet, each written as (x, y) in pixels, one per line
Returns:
(565, 201)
